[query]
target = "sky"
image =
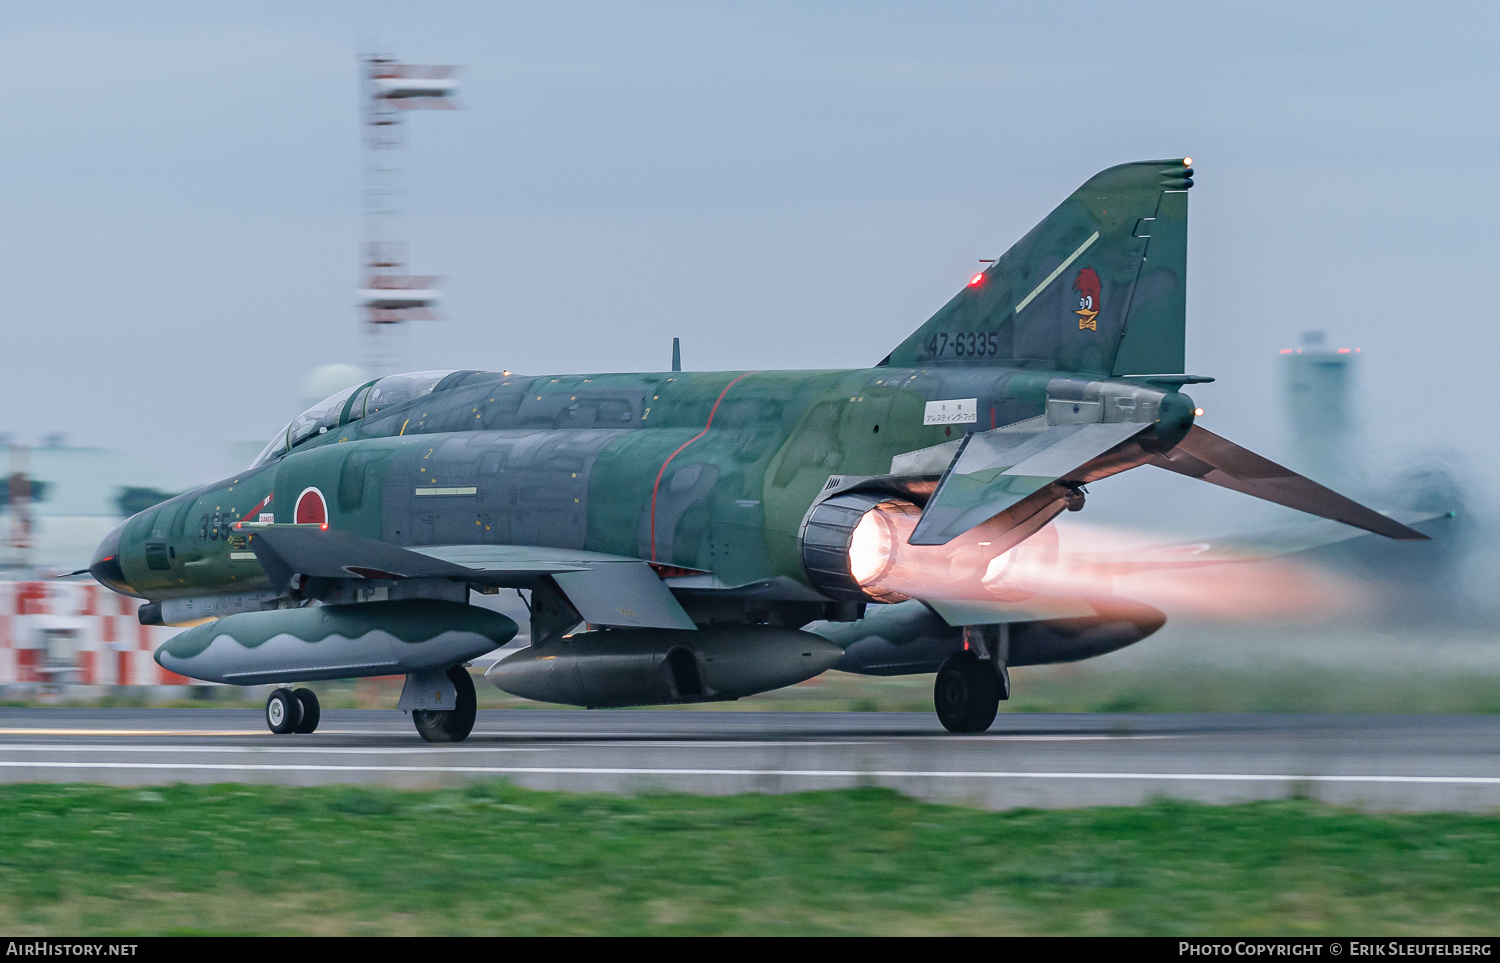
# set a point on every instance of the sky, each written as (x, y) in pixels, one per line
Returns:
(794, 185)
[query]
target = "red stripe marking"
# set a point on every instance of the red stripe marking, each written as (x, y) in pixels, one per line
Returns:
(258, 506)
(657, 485)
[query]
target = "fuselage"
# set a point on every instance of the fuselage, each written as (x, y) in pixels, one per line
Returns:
(708, 472)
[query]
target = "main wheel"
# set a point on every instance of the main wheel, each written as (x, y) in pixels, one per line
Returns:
(966, 694)
(454, 725)
(307, 699)
(283, 711)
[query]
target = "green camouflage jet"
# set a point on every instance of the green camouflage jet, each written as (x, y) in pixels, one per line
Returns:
(701, 523)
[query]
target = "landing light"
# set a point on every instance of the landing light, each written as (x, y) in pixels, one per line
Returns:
(976, 279)
(1187, 162)
(1197, 412)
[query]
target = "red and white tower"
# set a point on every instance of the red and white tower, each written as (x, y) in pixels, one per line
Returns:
(388, 294)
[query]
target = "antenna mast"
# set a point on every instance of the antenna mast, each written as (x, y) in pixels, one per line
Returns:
(388, 295)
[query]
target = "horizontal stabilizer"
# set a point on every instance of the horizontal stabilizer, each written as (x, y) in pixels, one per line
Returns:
(1250, 547)
(998, 469)
(1218, 461)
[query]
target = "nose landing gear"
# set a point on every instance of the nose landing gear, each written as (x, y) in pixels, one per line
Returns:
(292, 710)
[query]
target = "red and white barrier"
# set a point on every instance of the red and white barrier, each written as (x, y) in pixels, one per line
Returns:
(80, 633)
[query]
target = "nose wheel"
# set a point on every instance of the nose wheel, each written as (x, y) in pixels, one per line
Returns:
(292, 710)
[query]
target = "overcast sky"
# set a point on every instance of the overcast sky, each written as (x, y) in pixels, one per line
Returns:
(781, 185)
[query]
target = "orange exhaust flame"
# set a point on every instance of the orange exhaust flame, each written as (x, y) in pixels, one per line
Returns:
(1089, 562)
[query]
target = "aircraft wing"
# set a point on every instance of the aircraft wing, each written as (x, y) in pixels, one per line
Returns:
(998, 469)
(1219, 461)
(287, 550)
(605, 589)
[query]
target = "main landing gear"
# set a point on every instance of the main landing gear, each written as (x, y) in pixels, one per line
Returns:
(968, 691)
(292, 710)
(453, 725)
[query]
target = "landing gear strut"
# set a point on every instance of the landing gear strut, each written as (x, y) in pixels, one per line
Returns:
(453, 725)
(289, 710)
(967, 693)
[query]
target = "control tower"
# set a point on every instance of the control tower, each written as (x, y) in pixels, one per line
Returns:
(1318, 385)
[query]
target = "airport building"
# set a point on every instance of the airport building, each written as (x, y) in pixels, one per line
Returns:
(55, 634)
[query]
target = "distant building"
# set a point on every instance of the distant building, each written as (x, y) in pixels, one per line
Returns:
(1319, 390)
(83, 493)
(55, 634)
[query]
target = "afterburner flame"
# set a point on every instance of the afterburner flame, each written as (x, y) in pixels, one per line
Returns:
(1081, 561)
(869, 547)
(885, 564)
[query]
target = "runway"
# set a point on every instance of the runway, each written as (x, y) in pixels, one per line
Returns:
(1035, 760)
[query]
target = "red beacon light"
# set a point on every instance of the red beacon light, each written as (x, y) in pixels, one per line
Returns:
(976, 279)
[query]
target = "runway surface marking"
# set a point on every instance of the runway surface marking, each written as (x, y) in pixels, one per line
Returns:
(794, 773)
(282, 747)
(575, 739)
(142, 732)
(262, 750)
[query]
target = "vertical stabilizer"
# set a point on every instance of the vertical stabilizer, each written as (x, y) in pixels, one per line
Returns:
(1098, 286)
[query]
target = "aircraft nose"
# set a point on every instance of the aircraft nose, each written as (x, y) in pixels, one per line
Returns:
(105, 566)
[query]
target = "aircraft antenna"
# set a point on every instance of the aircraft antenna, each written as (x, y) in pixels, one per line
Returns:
(388, 293)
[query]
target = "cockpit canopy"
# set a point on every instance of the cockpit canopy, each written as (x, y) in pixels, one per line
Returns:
(348, 405)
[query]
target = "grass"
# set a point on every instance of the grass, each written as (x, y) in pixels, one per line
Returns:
(491, 858)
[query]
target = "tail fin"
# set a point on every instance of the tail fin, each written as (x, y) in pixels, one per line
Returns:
(1098, 286)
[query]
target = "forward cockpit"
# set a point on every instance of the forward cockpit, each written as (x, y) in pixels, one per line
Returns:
(349, 405)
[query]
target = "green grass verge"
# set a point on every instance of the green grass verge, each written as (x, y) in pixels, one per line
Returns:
(491, 858)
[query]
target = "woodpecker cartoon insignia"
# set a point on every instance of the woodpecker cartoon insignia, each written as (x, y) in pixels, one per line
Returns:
(1087, 286)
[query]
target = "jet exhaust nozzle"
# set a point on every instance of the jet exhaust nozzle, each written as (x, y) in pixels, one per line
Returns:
(857, 547)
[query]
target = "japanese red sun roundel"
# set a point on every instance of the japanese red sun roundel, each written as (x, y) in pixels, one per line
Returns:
(311, 509)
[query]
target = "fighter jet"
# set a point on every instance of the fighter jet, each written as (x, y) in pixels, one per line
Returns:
(695, 526)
